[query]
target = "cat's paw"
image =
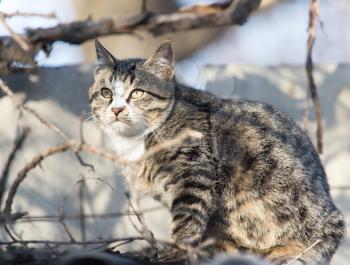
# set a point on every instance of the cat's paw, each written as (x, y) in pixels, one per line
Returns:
(196, 251)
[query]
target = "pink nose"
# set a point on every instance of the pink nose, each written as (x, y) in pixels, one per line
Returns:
(116, 111)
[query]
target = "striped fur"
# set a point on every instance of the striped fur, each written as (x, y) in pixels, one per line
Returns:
(252, 183)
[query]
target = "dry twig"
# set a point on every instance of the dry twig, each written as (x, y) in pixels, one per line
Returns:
(65, 226)
(144, 231)
(21, 40)
(303, 253)
(313, 17)
(19, 105)
(87, 242)
(50, 15)
(16, 146)
(82, 209)
(32, 164)
(54, 218)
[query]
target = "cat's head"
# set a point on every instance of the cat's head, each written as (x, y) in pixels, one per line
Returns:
(132, 97)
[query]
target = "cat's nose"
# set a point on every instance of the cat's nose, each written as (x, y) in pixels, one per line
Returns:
(117, 110)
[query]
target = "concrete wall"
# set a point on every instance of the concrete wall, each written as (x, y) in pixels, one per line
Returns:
(60, 95)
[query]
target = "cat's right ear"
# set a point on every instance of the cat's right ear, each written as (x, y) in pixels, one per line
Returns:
(104, 57)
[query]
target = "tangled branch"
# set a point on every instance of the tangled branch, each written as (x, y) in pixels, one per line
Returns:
(6, 216)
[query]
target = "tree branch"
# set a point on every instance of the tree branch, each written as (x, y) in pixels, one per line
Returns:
(234, 12)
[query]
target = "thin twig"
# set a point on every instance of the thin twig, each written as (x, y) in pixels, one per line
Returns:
(87, 242)
(50, 15)
(182, 137)
(32, 164)
(78, 146)
(22, 42)
(55, 218)
(82, 209)
(340, 187)
(62, 216)
(18, 143)
(65, 226)
(7, 91)
(8, 231)
(45, 122)
(13, 217)
(82, 139)
(313, 16)
(145, 231)
(303, 253)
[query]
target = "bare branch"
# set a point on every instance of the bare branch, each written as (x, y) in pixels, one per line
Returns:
(145, 231)
(16, 146)
(50, 15)
(82, 209)
(234, 12)
(87, 242)
(313, 17)
(82, 140)
(23, 217)
(65, 226)
(18, 38)
(32, 164)
(12, 217)
(4, 88)
(303, 253)
(77, 146)
(182, 137)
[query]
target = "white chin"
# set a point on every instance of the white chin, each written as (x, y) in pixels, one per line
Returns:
(122, 129)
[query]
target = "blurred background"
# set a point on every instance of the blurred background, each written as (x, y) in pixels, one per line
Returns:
(262, 60)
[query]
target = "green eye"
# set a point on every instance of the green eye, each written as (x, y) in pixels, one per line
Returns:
(106, 93)
(136, 94)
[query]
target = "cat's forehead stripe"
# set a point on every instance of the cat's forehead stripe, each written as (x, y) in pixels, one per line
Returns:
(119, 87)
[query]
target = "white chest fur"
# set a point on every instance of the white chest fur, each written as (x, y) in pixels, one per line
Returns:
(128, 148)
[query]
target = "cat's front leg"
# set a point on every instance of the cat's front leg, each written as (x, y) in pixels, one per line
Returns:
(191, 207)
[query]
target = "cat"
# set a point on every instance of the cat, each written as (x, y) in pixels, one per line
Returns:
(253, 182)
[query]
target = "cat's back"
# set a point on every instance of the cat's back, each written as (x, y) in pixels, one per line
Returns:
(272, 183)
(249, 122)
(255, 137)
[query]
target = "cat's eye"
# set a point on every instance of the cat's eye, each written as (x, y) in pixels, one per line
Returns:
(136, 94)
(106, 93)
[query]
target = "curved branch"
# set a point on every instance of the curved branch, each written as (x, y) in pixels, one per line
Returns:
(32, 164)
(157, 24)
(234, 12)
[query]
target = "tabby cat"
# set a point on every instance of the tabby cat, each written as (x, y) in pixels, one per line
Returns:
(253, 181)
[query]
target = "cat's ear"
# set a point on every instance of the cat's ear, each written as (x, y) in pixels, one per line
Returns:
(161, 63)
(104, 57)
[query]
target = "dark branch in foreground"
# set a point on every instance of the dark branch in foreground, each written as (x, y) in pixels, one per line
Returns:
(14, 57)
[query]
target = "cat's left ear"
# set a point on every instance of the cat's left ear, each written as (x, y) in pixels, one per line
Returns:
(104, 57)
(161, 63)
